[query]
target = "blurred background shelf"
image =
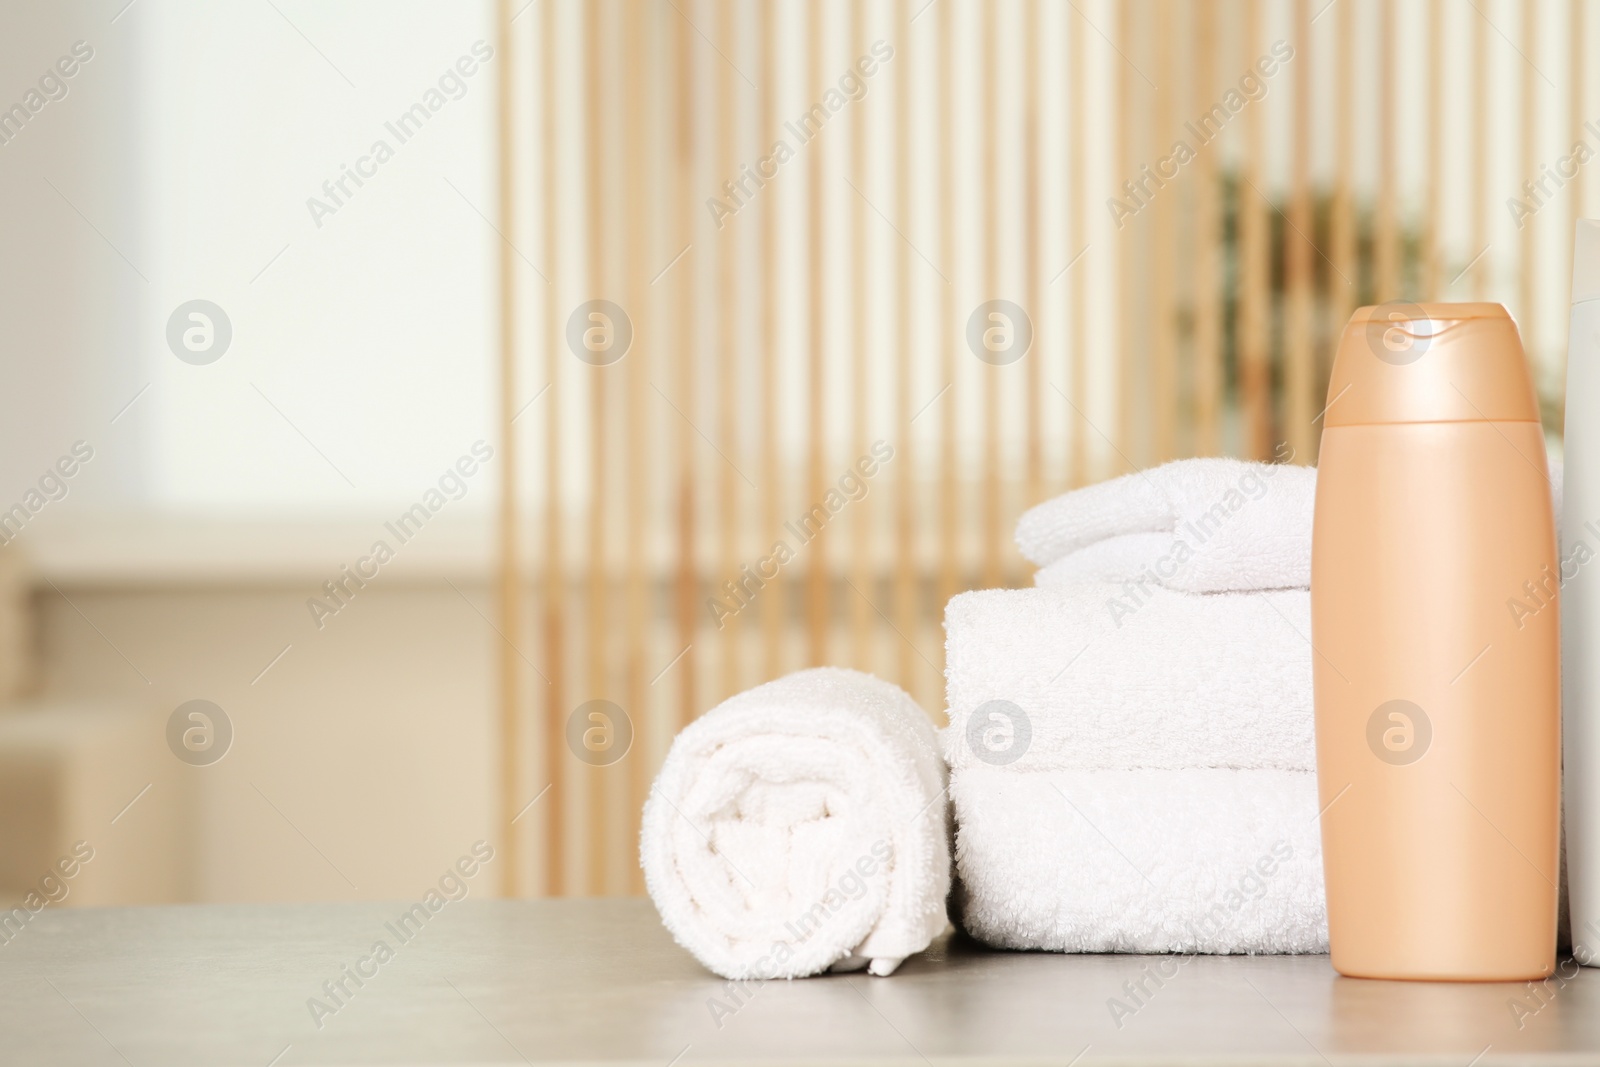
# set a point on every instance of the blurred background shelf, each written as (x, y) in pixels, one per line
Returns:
(93, 810)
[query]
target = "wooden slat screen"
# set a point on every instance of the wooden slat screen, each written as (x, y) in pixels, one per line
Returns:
(792, 312)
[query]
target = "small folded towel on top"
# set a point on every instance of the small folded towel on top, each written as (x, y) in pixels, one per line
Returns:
(1110, 682)
(1194, 525)
(802, 826)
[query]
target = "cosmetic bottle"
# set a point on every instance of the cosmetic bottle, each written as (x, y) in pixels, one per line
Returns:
(1580, 597)
(1435, 622)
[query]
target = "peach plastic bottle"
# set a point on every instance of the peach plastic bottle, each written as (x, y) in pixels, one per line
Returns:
(1435, 621)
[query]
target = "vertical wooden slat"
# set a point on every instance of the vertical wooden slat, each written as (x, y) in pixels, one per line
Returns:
(1298, 377)
(688, 583)
(555, 573)
(861, 613)
(599, 636)
(510, 569)
(639, 170)
(774, 598)
(728, 498)
(950, 315)
(1124, 164)
(1344, 284)
(1078, 191)
(818, 594)
(1208, 242)
(905, 543)
(1527, 277)
(1253, 297)
(1480, 140)
(990, 517)
(1431, 249)
(1034, 402)
(1163, 249)
(1387, 238)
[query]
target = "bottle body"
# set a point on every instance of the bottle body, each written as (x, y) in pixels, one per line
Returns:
(1435, 619)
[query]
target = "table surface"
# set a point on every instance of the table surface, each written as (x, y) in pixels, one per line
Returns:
(509, 982)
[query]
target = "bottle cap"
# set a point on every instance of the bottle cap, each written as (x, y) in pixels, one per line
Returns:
(1586, 261)
(1430, 363)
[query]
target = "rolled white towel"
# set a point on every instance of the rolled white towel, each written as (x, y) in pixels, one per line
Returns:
(1194, 525)
(799, 826)
(1215, 861)
(1096, 677)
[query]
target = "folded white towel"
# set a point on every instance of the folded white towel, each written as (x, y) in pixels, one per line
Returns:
(1118, 559)
(1216, 861)
(802, 825)
(1195, 525)
(1096, 677)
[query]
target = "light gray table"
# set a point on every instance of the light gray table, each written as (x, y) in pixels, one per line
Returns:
(585, 981)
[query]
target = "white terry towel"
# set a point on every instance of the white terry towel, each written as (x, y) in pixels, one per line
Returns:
(1195, 525)
(1088, 678)
(1215, 861)
(799, 826)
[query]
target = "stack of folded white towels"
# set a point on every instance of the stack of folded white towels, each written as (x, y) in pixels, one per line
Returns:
(1131, 763)
(1131, 742)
